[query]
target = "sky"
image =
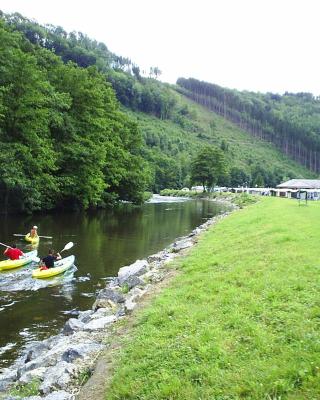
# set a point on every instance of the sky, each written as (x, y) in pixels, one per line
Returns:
(256, 45)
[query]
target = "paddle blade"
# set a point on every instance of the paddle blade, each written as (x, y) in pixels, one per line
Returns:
(67, 246)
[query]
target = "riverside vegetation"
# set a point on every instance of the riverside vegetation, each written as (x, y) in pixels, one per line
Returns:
(87, 128)
(241, 320)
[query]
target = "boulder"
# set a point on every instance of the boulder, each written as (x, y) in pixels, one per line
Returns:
(57, 377)
(58, 395)
(136, 269)
(182, 244)
(129, 305)
(35, 351)
(6, 378)
(109, 294)
(79, 350)
(132, 281)
(28, 376)
(71, 326)
(99, 323)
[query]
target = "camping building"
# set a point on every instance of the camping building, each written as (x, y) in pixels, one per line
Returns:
(298, 188)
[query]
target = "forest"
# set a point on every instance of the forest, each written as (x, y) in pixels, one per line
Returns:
(290, 121)
(64, 139)
(82, 127)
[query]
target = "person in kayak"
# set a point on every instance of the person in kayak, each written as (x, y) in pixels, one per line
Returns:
(13, 252)
(48, 261)
(34, 232)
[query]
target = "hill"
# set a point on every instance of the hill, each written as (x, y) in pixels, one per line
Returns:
(171, 145)
(291, 121)
(88, 128)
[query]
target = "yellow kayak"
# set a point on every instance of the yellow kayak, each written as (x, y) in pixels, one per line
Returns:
(59, 267)
(10, 264)
(34, 240)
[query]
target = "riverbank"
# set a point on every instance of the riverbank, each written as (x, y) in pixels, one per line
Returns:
(241, 320)
(57, 366)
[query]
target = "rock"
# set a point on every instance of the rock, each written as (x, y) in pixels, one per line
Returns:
(71, 326)
(195, 232)
(158, 257)
(36, 351)
(109, 294)
(129, 305)
(182, 244)
(136, 293)
(84, 316)
(108, 298)
(28, 376)
(58, 395)
(70, 355)
(6, 378)
(132, 281)
(99, 323)
(136, 269)
(154, 276)
(79, 351)
(101, 312)
(56, 377)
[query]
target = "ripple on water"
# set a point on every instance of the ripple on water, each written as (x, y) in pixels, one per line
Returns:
(22, 280)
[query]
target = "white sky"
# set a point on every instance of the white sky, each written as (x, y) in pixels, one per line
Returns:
(258, 45)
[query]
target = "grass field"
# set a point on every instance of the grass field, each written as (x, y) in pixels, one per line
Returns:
(241, 320)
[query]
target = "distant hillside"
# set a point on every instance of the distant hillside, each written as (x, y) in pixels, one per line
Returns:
(88, 128)
(170, 146)
(291, 122)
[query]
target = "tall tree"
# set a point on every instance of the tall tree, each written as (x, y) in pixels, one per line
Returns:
(208, 166)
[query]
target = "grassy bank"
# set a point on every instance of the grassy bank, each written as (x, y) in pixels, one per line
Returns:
(242, 319)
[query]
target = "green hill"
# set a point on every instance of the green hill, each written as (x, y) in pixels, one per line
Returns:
(86, 128)
(171, 145)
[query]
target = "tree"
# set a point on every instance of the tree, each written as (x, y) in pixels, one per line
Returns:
(208, 166)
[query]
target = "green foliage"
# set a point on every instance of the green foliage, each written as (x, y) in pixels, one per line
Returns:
(240, 321)
(244, 199)
(291, 122)
(62, 127)
(60, 121)
(27, 390)
(84, 376)
(208, 166)
(179, 193)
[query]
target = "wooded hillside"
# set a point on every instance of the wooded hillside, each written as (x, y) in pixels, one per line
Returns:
(86, 127)
(291, 122)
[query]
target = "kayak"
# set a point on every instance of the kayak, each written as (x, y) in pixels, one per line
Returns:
(31, 240)
(59, 267)
(10, 264)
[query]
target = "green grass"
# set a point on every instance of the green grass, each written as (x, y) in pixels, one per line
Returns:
(242, 319)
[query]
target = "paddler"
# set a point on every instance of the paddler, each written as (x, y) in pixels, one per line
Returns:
(13, 252)
(34, 232)
(49, 260)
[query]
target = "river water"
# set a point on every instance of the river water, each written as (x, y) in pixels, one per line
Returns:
(104, 241)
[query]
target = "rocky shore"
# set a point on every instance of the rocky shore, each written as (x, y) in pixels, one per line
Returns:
(59, 363)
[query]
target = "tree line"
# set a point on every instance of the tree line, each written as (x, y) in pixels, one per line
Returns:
(291, 121)
(64, 139)
(65, 121)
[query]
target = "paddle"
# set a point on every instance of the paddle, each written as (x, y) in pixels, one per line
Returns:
(33, 258)
(40, 236)
(67, 246)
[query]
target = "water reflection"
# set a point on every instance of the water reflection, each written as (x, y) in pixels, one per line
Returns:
(104, 242)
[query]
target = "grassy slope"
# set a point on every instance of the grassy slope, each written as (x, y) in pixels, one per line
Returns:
(241, 321)
(243, 148)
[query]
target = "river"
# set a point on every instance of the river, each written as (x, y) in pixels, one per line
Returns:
(104, 241)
